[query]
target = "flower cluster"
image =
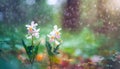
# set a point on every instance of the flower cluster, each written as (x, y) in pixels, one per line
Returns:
(32, 50)
(54, 35)
(32, 31)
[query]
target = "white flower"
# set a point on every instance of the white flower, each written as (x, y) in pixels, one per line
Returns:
(56, 42)
(36, 33)
(57, 31)
(55, 35)
(32, 31)
(56, 28)
(51, 36)
(32, 26)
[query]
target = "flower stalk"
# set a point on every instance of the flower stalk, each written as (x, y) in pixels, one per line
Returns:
(32, 49)
(53, 45)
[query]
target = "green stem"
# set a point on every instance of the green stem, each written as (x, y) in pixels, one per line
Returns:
(32, 59)
(50, 60)
(32, 40)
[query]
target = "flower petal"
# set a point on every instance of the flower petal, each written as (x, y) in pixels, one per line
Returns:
(27, 25)
(32, 23)
(59, 29)
(55, 27)
(56, 42)
(28, 36)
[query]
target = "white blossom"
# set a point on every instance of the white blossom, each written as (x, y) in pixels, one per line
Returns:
(56, 42)
(32, 31)
(55, 35)
(57, 31)
(51, 36)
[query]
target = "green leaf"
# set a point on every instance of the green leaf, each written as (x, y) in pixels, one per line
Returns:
(56, 49)
(36, 49)
(24, 44)
(30, 50)
(49, 48)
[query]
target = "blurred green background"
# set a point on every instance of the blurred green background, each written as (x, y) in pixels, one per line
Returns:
(89, 27)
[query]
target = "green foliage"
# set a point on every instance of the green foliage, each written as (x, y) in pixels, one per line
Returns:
(86, 41)
(31, 51)
(51, 49)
